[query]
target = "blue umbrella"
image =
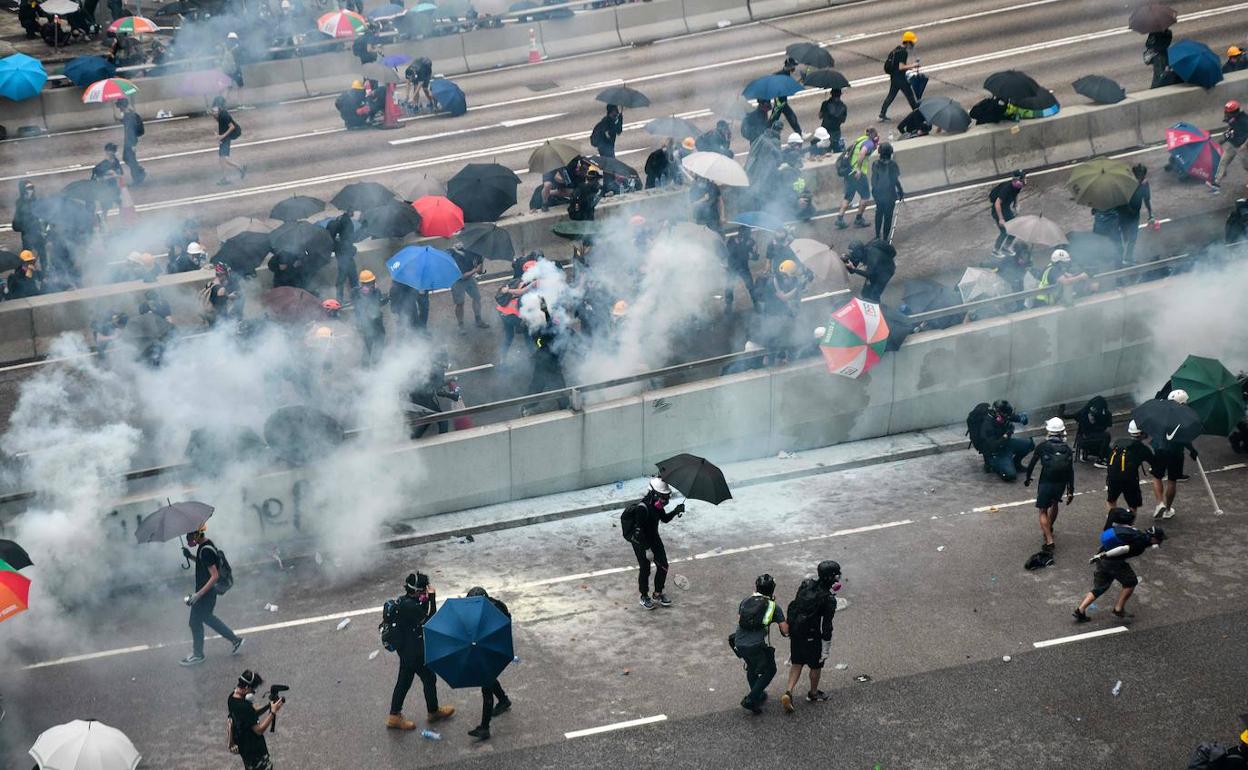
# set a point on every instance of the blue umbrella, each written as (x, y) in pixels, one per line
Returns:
(760, 219)
(1195, 63)
(772, 87)
(389, 11)
(396, 60)
(85, 70)
(449, 97)
(424, 268)
(468, 642)
(21, 77)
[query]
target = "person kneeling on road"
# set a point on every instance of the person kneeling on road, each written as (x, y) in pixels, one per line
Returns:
(352, 106)
(810, 631)
(991, 429)
(1057, 475)
(752, 640)
(640, 525)
(1118, 543)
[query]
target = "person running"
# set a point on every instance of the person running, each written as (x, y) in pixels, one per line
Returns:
(1057, 475)
(640, 522)
(208, 570)
(752, 640)
(856, 178)
(227, 132)
(607, 130)
(417, 604)
(896, 66)
(494, 700)
(1122, 477)
(1118, 543)
(1167, 467)
(1003, 199)
(810, 631)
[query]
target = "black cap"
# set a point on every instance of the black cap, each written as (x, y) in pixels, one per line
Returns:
(1018, 173)
(416, 580)
(829, 569)
(765, 584)
(477, 591)
(789, 61)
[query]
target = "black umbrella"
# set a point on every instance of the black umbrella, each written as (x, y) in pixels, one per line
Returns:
(93, 192)
(1167, 422)
(899, 327)
(393, 219)
(300, 434)
(359, 196)
(1152, 17)
(825, 79)
(613, 166)
(297, 207)
(695, 478)
(483, 191)
(67, 214)
(1100, 89)
(487, 241)
(623, 96)
(244, 252)
(945, 113)
(1019, 89)
(921, 295)
(677, 128)
(14, 555)
(302, 240)
(173, 521)
(809, 54)
(9, 261)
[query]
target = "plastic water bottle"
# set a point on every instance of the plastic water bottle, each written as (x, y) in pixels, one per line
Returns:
(430, 735)
(1117, 688)
(515, 659)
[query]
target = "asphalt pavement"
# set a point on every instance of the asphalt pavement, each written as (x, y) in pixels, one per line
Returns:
(934, 599)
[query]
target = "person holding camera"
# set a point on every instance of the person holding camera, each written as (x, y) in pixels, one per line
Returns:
(207, 572)
(416, 606)
(247, 724)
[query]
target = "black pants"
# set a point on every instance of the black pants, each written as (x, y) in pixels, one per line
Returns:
(898, 84)
(132, 162)
(1130, 229)
(760, 668)
(428, 683)
(871, 291)
(201, 615)
(791, 117)
(734, 272)
(660, 567)
(373, 334)
(347, 276)
(489, 694)
(884, 217)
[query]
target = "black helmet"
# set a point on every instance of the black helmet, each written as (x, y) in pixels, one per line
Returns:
(765, 584)
(829, 571)
(1001, 406)
(477, 591)
(1121, 516)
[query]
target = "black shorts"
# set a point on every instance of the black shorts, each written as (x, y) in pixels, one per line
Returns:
(806, 652)
(1128, 489)
(1167, 464)
(857, 185)
(1109, 570)
(223, 148)
(1049, 493)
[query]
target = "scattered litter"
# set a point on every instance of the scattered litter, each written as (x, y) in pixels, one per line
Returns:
(430, 735)
(931, 490)
(1005, 658)
(466, 539)
(278, 558)
(862, 678)
(940, 548)
(317, 558)
(627, 671)
(718, 549)
(344, 623)
(584, 541)
(270, 607)
(842, 666)
(161, 114)
(783, 455)
(373, 655)
(515, 659)
(723, 23)
(1117, 689)
(584, 586)
(133, 679)
(841, 603)
(681, 582)
(619, 485)
(712, 689)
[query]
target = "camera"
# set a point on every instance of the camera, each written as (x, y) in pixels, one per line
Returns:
(275, 692)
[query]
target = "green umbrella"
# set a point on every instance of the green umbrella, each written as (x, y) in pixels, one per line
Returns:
(574, 229)
(1102, 183)
(6, 567)
(1213, 392)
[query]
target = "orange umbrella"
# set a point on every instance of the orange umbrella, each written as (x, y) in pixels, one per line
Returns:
(439, 216)
(14, 594)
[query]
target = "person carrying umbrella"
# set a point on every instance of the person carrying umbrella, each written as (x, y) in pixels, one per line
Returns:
(1232, 140)
(227, 131)
(368, 316)
(494, 700)
(780, 104)
(417, 604)
(1168, 466)
(896, 65)
(607, 130)
(1118, 543)
(248, 723)
(1129, 213)
(132, 128)
(208, 567)
(832, 115)
(640, 525)
(718, 139)
(857, 182)
(887, 191)
(1003, 198)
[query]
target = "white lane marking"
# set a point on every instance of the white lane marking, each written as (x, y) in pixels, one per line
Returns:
(1080, 637)
(729, 551)
(475, 129)
(853, 531)
(85, 131)
(616, 726)
(579, 576)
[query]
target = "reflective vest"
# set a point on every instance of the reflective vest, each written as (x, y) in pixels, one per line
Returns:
(1045, 282)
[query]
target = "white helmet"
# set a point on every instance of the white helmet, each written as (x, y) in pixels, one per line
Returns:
(232, 36)
(1134, 429)
(794, 138)
(1059, 255)
(1055, 426)
(1179, 396)
(821, 134)
(819, 332)
(194, 248)
(659, 485)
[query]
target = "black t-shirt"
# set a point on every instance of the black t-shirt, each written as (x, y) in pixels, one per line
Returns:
(130, 122)
(1005, 192)
(245, 717)
(899, 56)
(1125, 459)
(465, 260)
(226, 123)
(205, 557)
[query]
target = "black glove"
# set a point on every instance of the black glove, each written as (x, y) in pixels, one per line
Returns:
(1191, 452)
(186, 554)
(1026, 482)
(679, 509)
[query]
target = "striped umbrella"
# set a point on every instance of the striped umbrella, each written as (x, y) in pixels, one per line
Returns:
(108, 90)
(14, 594)
(342, 24)
(855, 339)
(133, 25)
(1193, 151)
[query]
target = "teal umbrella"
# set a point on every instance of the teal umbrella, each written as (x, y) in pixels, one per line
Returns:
(1212, 392)
(21, 77)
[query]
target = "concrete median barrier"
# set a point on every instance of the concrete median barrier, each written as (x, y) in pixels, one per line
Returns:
(701, 15)
(644, 22)
(922, 162)
(1161, 108)
(1113, 130)
(1020, 145)
(273, 81)
(969, 156)
(464, 465)
(28, 112)
(766, 9)
(582, 33)
(501, 46)
(17, 330)
(811, 408)
(330, 73)
(733, 414)
(1067, 140)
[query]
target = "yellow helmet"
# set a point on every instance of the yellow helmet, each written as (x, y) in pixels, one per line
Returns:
(1233, 51)
(620, 308)
(27, 255)
(357, 85)
(909, 37)
(788, 267)
(1243, 737)
(366, 276)
(323, 332)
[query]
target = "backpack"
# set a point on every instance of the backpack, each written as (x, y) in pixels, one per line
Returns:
(1061, 459)
(845, 161)
(974, 420)
(1121, 534)
(225, 573)
(755, 613)
(1207, 756)
(807, 606)
(890, 64)
(138, 125)
(630, 523)
(388, 628)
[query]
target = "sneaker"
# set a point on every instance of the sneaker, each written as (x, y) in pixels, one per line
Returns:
(1080, 616)
(1215, 189)
(1122, 614)
(1169, 514)
(663, 600)
(1182, 477)
(786, 702)
(818, 696)
(840, 223)
(443, 712)
(1099, 464)
(750, 707)
(480, 732)
(646, 603)
(397, 722)
(1160, 509)
(238, 645)
(860, 222)
(885, 119)
(501, 707)
(1048, 547)
(191, 660)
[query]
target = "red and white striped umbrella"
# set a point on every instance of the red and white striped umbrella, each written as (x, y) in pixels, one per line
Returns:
(133, 25)
(108, 90)
(342, 24)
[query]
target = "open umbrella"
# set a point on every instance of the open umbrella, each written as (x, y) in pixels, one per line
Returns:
(920, 295)
(14, 594)
(420, 185)
(825, 79)
(14, 555)
(1193, 151)
(696, 478)
(553, 154)
(1213, 392)
(575, 229)
(821, 260)
(85, 70)
(133, 25)
(359, 196)
(381, 73)
(1152, 17)
(1019, 89)
(1030, 228)
(424, 268)
(614, 167)
(212, 82)
(289, 304)
(59, 7)
(108, 90)
(1168, 422)
(297, 207)
(387, 11)
(483, 191)
(395, 59)
(237, 225)
(342, 24)
(945, 114)
(301, 434)
(1195, 63)
(67, 214)
(977, 283)
(856, 337)
(96, 192)
(392, 219)
(303, 241)
(84, 745)
(771, 87)
(1102, 183)
(173, 521)
(488, 241)
(439, 216)
(760, 220)
(450, 97)
(810, 54)
(623, 96)
(716, 168)
(21, 77)
(1100, 89)
(244, 252)
(677, 128)
(9, 260)
(468, 642)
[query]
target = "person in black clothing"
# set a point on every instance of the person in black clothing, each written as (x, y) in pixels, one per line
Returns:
(1002, 199)
(586, 196)
(352, 106)
(132, 129)
(718, 139)
(754, 124)
(876, 261)
(416, 605)
(914, 124)
(649, 512)
(1168, 466)
(752, 640)
(1157, 54)
(465, 287)
(249, 724)
(1092, 438)
(1118, 543)
(27, 279)
(606, 131)
(896, 66)
(365, 46)
(707, 204)
(810, 630)
(28, 15)
(832, 115)
(342, 228)
(994, 437)
(547, 360)
(886, 190)
(24, 220)
(1236, 60)
(1232, 141)
(368, 316)
(1122, 476)
(418, 75)
(1057, 474)
(660, 165)
(1129, 213)
(493, 700)
(207, 572)
(741, 250)
(227, 132)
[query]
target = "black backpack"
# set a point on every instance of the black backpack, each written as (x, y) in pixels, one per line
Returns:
(1060, 459)
(890, 64)
(630, 523)
(754, 612)
(806, 608)
(388, 628)
(225, 573)
(845, 161)
(139, 130)
(975, 420)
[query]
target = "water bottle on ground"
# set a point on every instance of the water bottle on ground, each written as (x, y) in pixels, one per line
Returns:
(430, 735)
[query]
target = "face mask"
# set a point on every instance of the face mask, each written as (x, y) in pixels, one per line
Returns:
(250, 697)
(1018, 184)
(836, 586)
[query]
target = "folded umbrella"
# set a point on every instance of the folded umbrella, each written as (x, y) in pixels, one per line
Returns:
(1152, 17)
(1102, 183)
(809, 54)
(468, 642)
(1213, 392)
(14, 594)
(553, 154)
(1030, 228)
(289, 304)
(1100, 89)
(297, 207)
(424, 268)
(244, 252)
(301, 434)
(484, 191)
(21, 77)
(85, 70)
(760, 220)
(977, 283)
(450, 97)
(439, 216)
(945, 114)
(108, 90)
(827, 78)
(716, 168)
(696, 478)
(416, 187)
(1195, 63)
(855, 339)
(173, 521)
(392, 219)
(488, 241)
(772, 87)
(1193, 151)
(359, 196)
(1018, 89)
(677, 128)
(237, 225)
(14, 554)
(381, 73)
(211, 82)
(623, 96)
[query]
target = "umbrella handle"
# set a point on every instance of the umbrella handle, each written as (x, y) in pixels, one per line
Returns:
(1217, 509)
(186, 563)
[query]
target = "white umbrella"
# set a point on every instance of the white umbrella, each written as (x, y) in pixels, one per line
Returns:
(59, 7)
(716, 168)
(1030, 228)
(84, 745)
(977, 283)
(823, 261)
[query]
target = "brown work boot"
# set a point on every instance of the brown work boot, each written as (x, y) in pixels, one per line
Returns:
(397, 722)
(443, 712)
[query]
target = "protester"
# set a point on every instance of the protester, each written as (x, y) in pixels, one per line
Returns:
(493, 700)
(914, 125)
(857, 182)
(896, 66)
(640, 525)
(752, 640)
(368, 302)
(1003, 198)
(1167, 467)
(507, 303)
(718, 139)
(820, 143)
(1157, 55)
(1236, 60)
(876, 261)
(1213, 756)
(661, 168)
(132, 129)
(832, 115)
(418, 75)
(209, 569)
(778, 295)
(1122, 476)
(227, 132)
(222, 296)
(352, 106)
(586, 195)
(741, 250)
(24, 220)
(229, 59)
(417, 604)
(1118, 543)
(991, 428)
(810, 631)
(547, 359)
(886, 191)
(1129, 213)
(346, 280)
(27, 279)
(248, 723)
(707, 204)
(1060, 275)
(1092, 439)
(606, 131)
(470, 266)
(1057, 475)
(757, 122)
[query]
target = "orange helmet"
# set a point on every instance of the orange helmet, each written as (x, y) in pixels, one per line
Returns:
(527, 266)
(1231, 106)
(323, 333)
(331, 304)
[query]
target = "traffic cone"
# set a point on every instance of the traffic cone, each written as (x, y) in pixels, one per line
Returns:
(535, 56)
(390, 116)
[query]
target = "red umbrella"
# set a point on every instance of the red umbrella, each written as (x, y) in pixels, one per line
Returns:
(439, 216)
(14, 594)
